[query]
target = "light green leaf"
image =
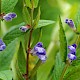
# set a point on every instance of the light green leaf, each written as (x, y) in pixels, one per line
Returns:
(34, 70)
(26, 15)
(28, 3)
(44, 23)
(21, 60)
(59, 65)
(13, 33)
(6, 75)
(36, 3)
(35, 24)
(8, 5)
(63, 42)
(7, 55)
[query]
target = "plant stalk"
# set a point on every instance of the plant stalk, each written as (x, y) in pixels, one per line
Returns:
(30, 36)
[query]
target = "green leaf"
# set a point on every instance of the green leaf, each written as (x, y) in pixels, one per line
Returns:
(36, 3)
(63, 42)
(26, 15)
(6, 75)
(7, 55)
(28, 3)
(44, 23)
(21, 60)
(36, 38)
(35, 24)
(34, 70)
(8, 5)
(13, 33)
(18, 73)
(59, 65)
(73, 74)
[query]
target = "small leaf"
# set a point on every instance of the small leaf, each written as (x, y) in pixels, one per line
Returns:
(6, 75)
(8, 5)
(59, 65)
(63, 42)
(44, 23)
(7, 55)
(28, 3)
(26, 15)
(13, 33)
(21, 60)
(36, 3)
(37, 19)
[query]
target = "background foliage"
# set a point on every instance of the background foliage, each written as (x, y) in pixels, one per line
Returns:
(52, 38)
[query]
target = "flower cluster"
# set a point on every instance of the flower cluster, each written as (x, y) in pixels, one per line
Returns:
(2, 45)
(24, 28)
(9, 16)
(39, 51)
(72, 53)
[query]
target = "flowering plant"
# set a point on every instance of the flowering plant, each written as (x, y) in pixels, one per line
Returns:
(31, 51)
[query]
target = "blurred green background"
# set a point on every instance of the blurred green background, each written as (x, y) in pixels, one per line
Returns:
(50, 10)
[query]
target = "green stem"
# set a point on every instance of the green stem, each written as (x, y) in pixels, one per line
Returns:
(32, 10)
(64, 70)
(78, 40)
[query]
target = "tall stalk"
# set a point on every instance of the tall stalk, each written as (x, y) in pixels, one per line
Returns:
(30, 36)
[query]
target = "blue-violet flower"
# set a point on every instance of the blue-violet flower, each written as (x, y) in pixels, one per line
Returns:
(70, 23)
(72, 53)
(2, 45)
(9, 16)
(24, 28)
(39, 51)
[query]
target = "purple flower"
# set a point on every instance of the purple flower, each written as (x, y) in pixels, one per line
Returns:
(2, 45)
(9, 16)
(39, 44)
(39, 51)
(72, 53)
(70, 23)
(71, 56)
(12, 15)
(72, 48)
(24, 28)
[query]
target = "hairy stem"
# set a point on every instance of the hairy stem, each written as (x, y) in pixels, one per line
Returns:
(64, 70)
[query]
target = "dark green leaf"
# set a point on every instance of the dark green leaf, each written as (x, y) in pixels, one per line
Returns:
(8, 5)
(7, 55)
(13, 33)
(26, 15)
(44, 23)
(59, 65)
(35, 24)
(73, 74)
(21, 60)
(36, 38)
(63, 42)
(6, 75)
